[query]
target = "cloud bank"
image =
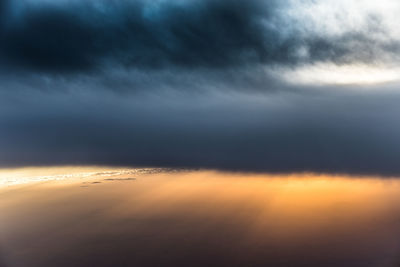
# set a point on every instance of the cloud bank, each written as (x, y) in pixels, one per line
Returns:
(201, 83)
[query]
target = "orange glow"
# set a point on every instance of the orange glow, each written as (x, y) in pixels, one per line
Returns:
(231, 211)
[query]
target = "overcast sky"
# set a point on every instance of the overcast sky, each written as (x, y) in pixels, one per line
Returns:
(276, 86)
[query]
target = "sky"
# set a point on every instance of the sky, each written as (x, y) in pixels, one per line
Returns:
(247, 85)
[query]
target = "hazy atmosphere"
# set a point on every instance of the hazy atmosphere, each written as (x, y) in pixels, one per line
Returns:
(199, 133)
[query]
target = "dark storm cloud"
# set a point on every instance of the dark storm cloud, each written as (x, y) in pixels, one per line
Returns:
(140, 34)
(87, 35)
(187, 84)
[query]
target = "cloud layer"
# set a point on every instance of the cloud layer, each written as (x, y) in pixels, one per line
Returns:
(85, 35)
(194, 84)
(337, 132)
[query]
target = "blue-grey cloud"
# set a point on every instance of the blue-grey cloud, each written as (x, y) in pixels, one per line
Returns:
(336, 132)
(85, 35)
(88, 35)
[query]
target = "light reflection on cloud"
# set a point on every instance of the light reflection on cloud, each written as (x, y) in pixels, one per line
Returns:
(325, 74)
(19, 176)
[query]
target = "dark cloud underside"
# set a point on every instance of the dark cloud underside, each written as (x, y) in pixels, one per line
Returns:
(197, 33)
